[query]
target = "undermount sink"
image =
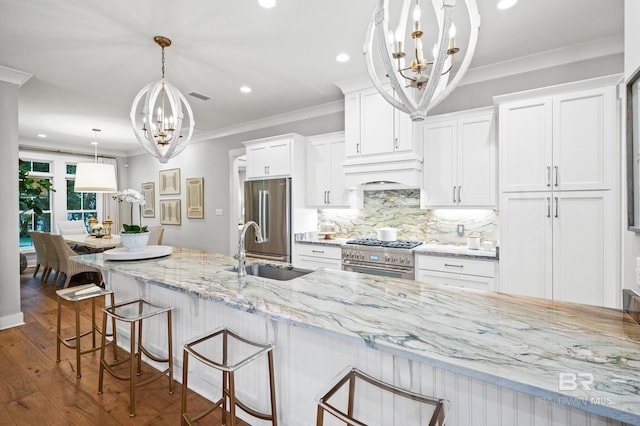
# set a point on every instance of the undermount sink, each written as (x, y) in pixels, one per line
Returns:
(273, 272)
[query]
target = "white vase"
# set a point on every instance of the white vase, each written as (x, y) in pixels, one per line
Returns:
(134, 242)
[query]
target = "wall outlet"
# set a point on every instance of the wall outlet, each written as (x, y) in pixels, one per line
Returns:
(218, 212)
(460, 230)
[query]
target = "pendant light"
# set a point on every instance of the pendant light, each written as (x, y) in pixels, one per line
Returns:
(157, 116)
(95, 177)
(419, 84)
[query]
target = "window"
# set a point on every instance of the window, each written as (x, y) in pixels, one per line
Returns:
(29, 220)
(80, 205)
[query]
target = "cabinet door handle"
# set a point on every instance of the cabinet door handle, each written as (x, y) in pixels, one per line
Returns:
(265, 170)
(325, 197)
(454, 195)
(453, 266)
(328, 197)
(548, 206)
(317, 251)
(395, 144)
(556, 200)
(548, 175)
(358, 148)
(268, 170)
(555, 169)
(459, 189)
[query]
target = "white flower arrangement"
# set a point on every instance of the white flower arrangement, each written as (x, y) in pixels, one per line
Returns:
(133, 197)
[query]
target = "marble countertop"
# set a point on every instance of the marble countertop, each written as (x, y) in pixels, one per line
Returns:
(520, 343)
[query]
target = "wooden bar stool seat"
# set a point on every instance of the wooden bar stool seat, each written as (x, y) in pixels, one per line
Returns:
(135, 312)
(226, 351)
(76, 295)
(431, 410)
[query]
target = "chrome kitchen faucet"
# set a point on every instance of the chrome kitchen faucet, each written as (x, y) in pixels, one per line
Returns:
(241, 255)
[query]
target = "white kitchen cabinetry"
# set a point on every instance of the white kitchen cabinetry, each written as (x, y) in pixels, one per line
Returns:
(456, 271)
(375, 127)
(270, 157)
(459, 166)
(559, 245)
(379, 139)
(561, 142)
(319, 255)
(559, 203)
(325, 177)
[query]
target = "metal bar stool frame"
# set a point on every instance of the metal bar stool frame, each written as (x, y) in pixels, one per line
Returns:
(350, 376)
(76, 295)
(228, 378)
(136, 347)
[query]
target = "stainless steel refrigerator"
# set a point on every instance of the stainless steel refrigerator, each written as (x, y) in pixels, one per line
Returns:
(268, 203)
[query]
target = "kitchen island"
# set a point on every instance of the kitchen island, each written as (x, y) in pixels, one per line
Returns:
(498, 359)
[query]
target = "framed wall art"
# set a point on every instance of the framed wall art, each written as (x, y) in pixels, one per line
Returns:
(195, 198)
(148, 190)
(170, 212)
(169, 182)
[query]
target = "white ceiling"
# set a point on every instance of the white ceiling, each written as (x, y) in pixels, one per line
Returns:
(89, 58)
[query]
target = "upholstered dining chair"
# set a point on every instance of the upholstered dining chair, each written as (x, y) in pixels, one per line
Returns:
(41, 255)
(71, 227)
(67, 265)
(52, 261)
(156, 233)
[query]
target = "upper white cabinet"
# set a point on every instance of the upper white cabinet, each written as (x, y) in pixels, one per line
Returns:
(270, 157)
(561, 142)
(379, 139)
(325, 177)
(459, 165)
(383, 129)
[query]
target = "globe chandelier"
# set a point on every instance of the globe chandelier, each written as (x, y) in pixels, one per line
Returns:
(421, 84)
(158, 116)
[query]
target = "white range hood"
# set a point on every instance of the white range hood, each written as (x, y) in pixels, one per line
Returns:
(403, 170)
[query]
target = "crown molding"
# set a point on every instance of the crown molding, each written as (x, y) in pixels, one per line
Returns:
(12, 76)
(551, 58)
(275, 120)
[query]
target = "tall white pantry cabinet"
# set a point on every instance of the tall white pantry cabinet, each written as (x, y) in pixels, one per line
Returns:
(559, 154)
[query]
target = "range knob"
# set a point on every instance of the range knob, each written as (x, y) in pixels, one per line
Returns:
(395, 260)
(402, 260)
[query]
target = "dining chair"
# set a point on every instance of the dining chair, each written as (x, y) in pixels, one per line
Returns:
(67, 265)
(41, 255)
(51, 262)
(156, 233)
(71, 227)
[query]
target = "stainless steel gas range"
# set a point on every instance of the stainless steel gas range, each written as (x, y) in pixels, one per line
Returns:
(386, 258)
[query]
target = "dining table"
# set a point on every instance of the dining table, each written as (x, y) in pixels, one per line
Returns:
(92, 242)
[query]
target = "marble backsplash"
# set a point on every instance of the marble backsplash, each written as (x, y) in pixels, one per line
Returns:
(400, 209)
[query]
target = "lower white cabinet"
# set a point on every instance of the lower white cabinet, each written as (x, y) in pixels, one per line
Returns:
(560, 245)
(319, 256)
(480, 274)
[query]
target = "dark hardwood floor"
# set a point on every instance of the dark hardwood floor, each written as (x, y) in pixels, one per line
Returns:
(36, 390)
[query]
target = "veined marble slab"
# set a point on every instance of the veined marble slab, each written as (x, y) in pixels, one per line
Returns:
(535, 346)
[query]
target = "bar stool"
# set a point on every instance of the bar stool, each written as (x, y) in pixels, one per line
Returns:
(134, 312)
(76, 295)
(352, 375)
(214, 350)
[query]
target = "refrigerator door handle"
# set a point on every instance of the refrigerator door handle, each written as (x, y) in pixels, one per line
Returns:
(265, 216)
(259, 218)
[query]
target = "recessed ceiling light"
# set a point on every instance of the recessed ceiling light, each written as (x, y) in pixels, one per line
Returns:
(94, 143)
(245, 89)
(342, 57)
(267, 4)
(42, 135)
(506, 4)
